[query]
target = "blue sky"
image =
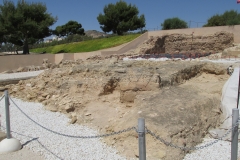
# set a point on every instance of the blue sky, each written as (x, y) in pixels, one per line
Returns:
(155, 11)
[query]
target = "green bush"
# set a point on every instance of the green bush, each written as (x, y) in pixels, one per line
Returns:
(173, 23)
(228, 18)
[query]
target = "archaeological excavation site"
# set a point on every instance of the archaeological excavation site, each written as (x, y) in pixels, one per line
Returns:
(179, 98)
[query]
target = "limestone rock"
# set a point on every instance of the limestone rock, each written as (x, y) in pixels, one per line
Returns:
(88, 114)
(120, 70)
(8, 71)
(28, 85)
(45, 94)
(40, 99)
(69, 108)
(52, 108)
(73, 120)
(22, 69)
(3, 88)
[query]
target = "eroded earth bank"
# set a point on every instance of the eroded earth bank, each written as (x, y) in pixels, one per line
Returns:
(178, 99)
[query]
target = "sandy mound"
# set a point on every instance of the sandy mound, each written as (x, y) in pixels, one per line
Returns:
(179, 100)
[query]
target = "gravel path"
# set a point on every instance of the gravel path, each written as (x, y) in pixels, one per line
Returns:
(20, 75)
(219, 151)
(54, 147)
(50, 145)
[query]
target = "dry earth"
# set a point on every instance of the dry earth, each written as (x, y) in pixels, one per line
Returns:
(179, 100)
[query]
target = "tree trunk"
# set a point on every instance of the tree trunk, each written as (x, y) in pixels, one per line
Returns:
(25, 47)
(120, 33)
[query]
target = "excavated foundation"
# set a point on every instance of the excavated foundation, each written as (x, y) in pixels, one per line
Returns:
(110, 95)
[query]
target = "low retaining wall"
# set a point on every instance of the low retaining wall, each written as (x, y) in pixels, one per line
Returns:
(175, 43)
(86, 55)
(201, 31)
(12, 62)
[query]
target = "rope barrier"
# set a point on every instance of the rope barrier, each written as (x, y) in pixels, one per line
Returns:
(147, 131)
(73, 136)
(191, 148)
(129, 129)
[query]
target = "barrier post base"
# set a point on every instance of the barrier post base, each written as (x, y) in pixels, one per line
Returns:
(9, 145)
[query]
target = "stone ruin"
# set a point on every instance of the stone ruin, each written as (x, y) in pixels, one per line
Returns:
(122, 91)
(182, 43)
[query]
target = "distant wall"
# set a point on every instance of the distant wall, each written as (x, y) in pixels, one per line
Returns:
(58, 58)
(12, 62)
(63, 56)
(174, 43)
(68, 56)
(201, 31)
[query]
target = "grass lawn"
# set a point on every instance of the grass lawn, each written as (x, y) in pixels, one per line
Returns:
(87, 46)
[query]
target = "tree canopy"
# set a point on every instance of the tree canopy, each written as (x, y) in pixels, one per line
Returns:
(120, 17)
(71, 27)
(228, 18)
(24, 23)
(173, 23)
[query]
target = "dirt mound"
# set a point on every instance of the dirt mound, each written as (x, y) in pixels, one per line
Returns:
(181, 43)
(179, 100)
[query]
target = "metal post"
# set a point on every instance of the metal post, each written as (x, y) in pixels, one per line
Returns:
(238, 86)
(234, 144)
(141, 139)
(7, 114)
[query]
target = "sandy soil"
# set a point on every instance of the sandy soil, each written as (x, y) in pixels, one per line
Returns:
(207, 84)
(23, 154)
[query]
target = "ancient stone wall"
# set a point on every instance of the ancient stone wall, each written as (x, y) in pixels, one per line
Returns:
(172, 43)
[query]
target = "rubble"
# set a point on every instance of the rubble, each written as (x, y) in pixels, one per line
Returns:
(111, 94)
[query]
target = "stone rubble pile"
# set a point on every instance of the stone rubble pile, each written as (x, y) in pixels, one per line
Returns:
(112, 94)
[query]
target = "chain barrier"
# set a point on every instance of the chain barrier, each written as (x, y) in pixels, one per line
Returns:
(127, 130)
(191, 148)
(34, 139)
(72, 136)
(2, 97)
